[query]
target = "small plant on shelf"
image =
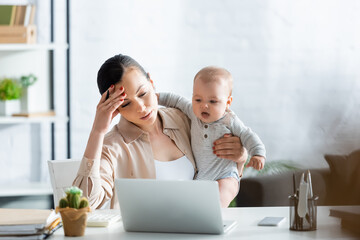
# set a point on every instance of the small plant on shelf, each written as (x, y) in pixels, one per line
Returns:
(10, 89)
(10, 92)
(28, 80)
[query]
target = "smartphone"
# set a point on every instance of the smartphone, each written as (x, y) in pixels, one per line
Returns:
(271, 221)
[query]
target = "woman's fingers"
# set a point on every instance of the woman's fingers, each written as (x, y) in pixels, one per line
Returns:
(226, 145)
(114, 97)
(104, 95)
(115, 113)
(114, 93)
(230, 147)
(107, 108)
(116, 102)
(111, 93)
(104, 98)
(228, 139)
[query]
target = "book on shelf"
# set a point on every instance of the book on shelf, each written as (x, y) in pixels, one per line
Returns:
(27, 223)
(7, 14)
(30, 15)
(20, 15)
(17, 15)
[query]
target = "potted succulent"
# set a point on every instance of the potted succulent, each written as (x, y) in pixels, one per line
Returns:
(10, 92)
(73, 210)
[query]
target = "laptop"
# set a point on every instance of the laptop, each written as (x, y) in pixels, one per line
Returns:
(172, 206)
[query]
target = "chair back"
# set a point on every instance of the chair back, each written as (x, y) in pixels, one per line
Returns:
(62, 175)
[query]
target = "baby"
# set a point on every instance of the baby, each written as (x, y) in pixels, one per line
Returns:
(211, 118)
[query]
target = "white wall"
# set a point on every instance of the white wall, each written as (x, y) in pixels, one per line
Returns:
(295, 64)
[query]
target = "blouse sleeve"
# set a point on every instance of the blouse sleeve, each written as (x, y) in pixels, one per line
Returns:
(95, 179)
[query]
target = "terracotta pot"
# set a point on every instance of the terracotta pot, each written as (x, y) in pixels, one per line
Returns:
(73, 220)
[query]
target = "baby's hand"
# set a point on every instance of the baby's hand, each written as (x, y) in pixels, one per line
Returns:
(257, 162)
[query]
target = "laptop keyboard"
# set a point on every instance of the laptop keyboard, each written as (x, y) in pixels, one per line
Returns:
(102, 218)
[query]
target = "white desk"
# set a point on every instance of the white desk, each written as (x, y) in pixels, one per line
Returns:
(247, 219)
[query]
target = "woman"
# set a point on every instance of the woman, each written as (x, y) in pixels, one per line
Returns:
(146, 143)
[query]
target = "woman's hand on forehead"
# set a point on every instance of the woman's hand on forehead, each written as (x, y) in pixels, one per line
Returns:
(107, 108)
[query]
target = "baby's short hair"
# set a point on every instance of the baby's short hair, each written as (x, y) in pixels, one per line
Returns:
(212, 73)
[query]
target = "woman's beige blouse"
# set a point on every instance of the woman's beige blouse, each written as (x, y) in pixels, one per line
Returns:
(127, 153)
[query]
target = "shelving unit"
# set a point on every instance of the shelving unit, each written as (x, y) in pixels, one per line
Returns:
(37, 127)
(24, 120)
(45, 52)
(29, 47)
(28, 194)
(25, 189)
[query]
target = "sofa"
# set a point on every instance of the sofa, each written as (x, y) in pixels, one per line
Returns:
(337, 185)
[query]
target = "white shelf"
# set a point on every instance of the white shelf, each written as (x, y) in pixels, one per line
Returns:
(30, 47)
(25, 189)
(20, 120)
(15, 2)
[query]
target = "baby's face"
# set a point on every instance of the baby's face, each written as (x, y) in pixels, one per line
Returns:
(210, 99)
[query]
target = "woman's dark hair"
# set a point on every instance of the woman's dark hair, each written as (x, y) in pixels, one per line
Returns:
(113, 69)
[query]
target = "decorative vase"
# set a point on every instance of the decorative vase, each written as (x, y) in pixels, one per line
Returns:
(74, 220)
(24, 101)
(8, 107)
(34, 102)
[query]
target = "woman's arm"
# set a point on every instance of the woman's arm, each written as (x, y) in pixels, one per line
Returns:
(105, 112)
(96, 187)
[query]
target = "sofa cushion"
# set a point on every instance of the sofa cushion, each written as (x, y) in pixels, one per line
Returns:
(338, 167)
(274, 190)
(354, 159)
(345, 175)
